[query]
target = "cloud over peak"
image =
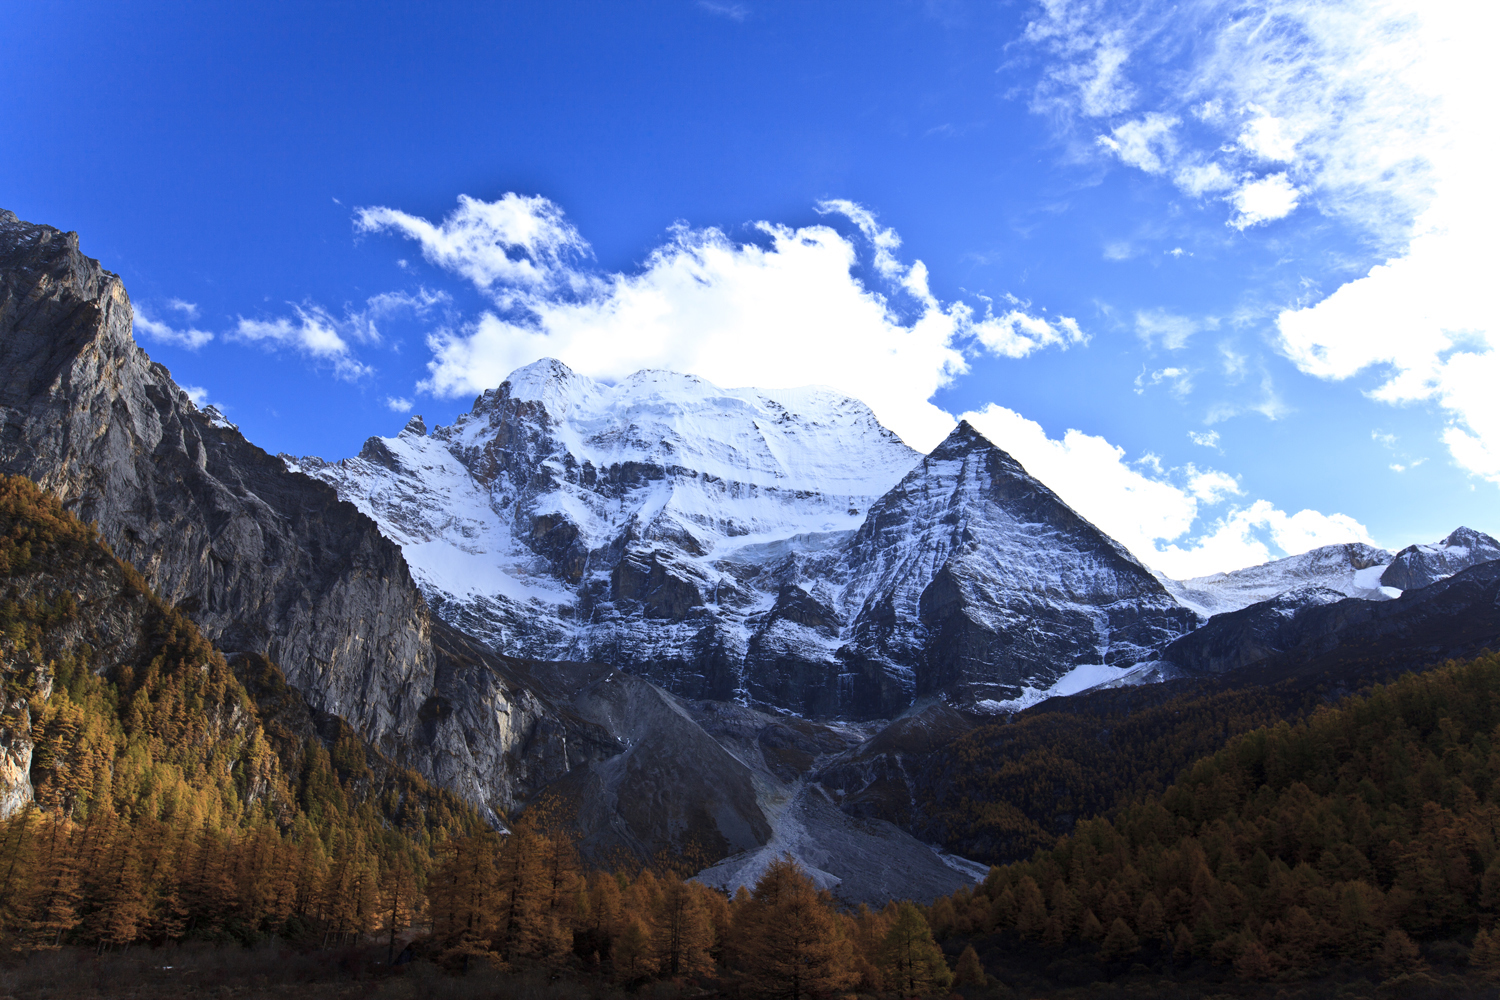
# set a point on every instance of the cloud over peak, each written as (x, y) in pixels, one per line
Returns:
(785, 309)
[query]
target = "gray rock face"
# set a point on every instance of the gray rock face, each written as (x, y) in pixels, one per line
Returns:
(1420, 565)
(263, 559)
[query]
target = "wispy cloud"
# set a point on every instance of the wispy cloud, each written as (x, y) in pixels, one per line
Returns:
(1167, 329)
(733, 11)
(164, 333)
(1180, 380)
(329, 339)
(1207, 439)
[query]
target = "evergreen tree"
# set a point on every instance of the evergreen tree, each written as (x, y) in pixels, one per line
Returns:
(969, 971)
(914, 963)
(792, 948)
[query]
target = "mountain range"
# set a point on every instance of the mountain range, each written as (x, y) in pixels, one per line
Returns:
(734, 621)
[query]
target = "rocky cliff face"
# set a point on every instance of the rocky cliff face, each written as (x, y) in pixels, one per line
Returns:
(780, 549)
(265, 560)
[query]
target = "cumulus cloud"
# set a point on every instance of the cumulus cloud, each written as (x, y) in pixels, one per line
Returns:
(507, 247)
(1145, 143)
(398, 404)
(164, 333)
(1207, 439)
(1159, 514)
(1265, 200)
(785, 310)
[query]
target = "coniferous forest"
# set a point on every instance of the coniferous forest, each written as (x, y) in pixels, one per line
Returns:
(196, 827)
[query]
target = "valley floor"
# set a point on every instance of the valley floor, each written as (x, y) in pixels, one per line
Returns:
(276, 971)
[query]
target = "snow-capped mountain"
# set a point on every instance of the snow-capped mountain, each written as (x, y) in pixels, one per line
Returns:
(1420, 565)
(775, 547)
(1353, 569)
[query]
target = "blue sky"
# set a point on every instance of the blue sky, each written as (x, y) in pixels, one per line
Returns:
(1135, 239)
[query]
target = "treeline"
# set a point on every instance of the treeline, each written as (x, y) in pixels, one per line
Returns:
(162, 806)
(1012, 787)
(1355, 834)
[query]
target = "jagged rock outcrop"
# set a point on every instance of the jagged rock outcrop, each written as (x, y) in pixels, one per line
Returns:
(265, 560)
(1419, 565)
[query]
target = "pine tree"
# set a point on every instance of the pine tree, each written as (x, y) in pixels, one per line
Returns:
(914, 963)
(1398, 954)
(1253, 961)
(1119, 942)
(1485, 955)
(969, 971)
(681, 931)
(631, 950)
(792, 948)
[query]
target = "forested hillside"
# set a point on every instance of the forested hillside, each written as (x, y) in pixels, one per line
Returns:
(167, 800)
(1364, 834)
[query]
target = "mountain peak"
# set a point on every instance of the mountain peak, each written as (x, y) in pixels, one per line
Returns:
(1420, 565)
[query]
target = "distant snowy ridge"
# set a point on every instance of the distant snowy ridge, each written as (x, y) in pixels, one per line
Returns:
(1353, 569)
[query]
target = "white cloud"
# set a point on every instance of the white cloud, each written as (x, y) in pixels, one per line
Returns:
(1378, 112)
(1168, 329)
(1428, 323)
(1210, 485)
(1198, 179)
(164, 333)
(1208, 439)
(503, 246)
(314, 331)
(1267, 137)
(733, 11)
(1337, 93)
(1181, 380)
(782, 312)
(188, 309)
(398, 404)
(1145, 142)
(1154, 517)
(1264, 200)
